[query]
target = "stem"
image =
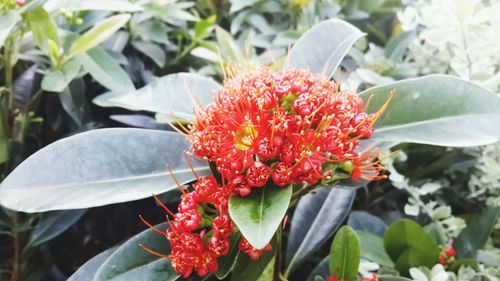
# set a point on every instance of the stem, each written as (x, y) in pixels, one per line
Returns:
(8, 70)
(278, 261)
(16, 267)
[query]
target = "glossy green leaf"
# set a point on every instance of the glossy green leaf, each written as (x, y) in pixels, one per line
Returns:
(322, 269)
(437, 110)
(74, 101)
(360, 220)
(79, 5)
(87, 271)
(52, 224)
(7, 21)
(43, 26)
(247, 269)
(409, 245)
(98, 167)
(259, 215)
(105, 70)
(98, 34)
(372, 248)
(151, 50)
(316, 218)
(58, 79)
(226, 263)
(475, 235)
(322, 48)
(392, 278)
(345, 254)
(175, 94)
(131, 262)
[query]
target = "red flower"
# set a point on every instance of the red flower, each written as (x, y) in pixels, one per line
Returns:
(252, 252)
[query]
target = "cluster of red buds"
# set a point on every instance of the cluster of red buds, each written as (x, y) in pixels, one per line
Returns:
(196, 238)
(447, 255)
(265, 128)
(284, 127)
(373, 277)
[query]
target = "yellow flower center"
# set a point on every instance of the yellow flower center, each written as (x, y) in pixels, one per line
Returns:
(244, 137)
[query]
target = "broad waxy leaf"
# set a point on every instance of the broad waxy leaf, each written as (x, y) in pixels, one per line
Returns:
(372, 248)
(345, 254)
(176, 94)
(131, 262)
(152, 50)
(409, 245)
(97, 168)
(322, 270)
(52, 224)
(437, 110)
(259, 215)
(316, 217)
(392, 278)
(475, 235)
(365, 221)
(322, 48)
(88, 270)
(98, 34)
(105, 70)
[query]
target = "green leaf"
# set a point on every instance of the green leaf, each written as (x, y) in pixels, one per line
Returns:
(322, 269)
(247, 269)
(79, 5)
(58, 79)
(7, 21)
(396, 47)
(392, 278)
(4, 141)
(52, 224)
(176, 94)
(409, 245)
(315, 219)
(43, 27)
(472, 263)
(259, 215)
(203, 27)
(87, 271)
(475, 235)
(372, 248)
(360, 220)
(437, 110)
(104, 69)
(228, 47)
(99, 167)
(226, 263)
(151, 50)
(131, 262)
(74, 101)
(345, 254)
(98, 34)
(322, 48)
(318, 278)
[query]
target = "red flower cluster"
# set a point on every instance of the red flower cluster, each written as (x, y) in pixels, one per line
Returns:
(374, 277)
(193, 245)
(447, 255)
(289, 126)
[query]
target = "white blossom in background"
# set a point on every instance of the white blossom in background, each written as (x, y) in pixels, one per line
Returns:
(457, 37)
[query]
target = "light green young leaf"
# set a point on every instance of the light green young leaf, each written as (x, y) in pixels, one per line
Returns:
(43, 26)
(259, 215)
(7, 21)
(98, 34)
(105, 70)
(345, 254)
(99, 167)
(58, 80)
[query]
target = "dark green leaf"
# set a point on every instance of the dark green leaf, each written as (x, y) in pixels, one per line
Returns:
(435, 109)
(360, 220)
(131, 262)
(259, 215)
(409, 245)
(152, 51)
(52, 224)
(322, 48)
(345, 254)
(321, 270)
(247, 269)
(316, 218)
(74, 101)
(475, 235)
(87, 271)
(97, 168)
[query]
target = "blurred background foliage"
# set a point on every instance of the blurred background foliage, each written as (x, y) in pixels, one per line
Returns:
(59, 55)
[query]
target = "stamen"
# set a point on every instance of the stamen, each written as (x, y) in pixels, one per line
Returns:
(184, 192)
(154, 252)
(152, 226)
